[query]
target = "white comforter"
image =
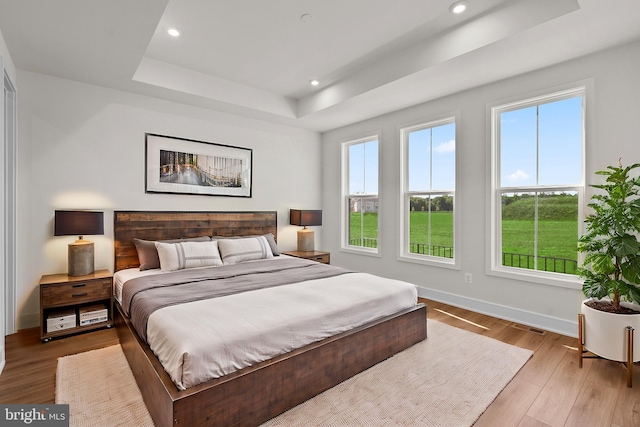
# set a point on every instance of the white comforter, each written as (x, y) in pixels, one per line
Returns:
(207, 339)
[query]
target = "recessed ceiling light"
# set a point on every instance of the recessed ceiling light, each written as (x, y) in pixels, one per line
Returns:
(458, 7)
(314, 82)
(173, 32)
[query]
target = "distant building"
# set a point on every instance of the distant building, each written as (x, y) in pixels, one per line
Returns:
(363, 204)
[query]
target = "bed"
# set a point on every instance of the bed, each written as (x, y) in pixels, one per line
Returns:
(251, 394)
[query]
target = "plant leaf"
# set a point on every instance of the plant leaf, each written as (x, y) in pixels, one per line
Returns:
(631, 269)
(596, 286)
(601, 263)
(634, 294)
(625, 245)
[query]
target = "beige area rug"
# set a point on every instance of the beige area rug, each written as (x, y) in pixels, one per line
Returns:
(100, 389)
(447, 380)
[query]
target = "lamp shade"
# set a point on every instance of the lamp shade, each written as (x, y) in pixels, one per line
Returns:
(78, 223)
(304, 218)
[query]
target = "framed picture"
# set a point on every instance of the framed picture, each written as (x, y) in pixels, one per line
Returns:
(184, 166)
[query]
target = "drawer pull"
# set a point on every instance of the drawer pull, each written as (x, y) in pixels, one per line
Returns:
(79, 286)
(79, 294)
(319, 258)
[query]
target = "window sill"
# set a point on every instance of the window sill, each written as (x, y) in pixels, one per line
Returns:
(361, 251)
(430, 261)
(568, 281)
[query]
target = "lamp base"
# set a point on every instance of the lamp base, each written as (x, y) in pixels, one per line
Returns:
(80, 258)
(305, 240)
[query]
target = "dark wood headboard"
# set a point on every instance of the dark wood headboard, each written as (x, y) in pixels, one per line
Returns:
(159, 225)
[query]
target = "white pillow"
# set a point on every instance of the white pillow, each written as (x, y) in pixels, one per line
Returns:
(234, 251)
(178, 256)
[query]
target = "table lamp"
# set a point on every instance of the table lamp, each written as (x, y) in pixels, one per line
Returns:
(305, 218)
(79, 223)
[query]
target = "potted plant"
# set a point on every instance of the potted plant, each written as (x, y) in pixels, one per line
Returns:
(611, 267)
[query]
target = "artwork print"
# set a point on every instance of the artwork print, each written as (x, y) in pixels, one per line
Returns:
(183, 166)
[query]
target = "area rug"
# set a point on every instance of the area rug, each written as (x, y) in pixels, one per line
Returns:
(447, 380)
(100, 389)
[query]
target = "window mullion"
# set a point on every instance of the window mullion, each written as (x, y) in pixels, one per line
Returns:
(429, 251)
(364, 168)
(535, 232)
(430, 159)
(362, 222)
(535, 214)
(364, 188)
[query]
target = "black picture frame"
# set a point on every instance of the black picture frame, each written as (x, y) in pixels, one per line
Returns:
(176, 165)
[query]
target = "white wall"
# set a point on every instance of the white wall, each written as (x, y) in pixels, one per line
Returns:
(613, 132)
(82, 147)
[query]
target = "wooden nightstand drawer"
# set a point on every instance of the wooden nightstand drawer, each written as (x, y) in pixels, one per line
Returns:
(318, 256)
(72, 293)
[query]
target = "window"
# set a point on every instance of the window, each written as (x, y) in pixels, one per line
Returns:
(361, 202)
(429, 182)
(538, 183)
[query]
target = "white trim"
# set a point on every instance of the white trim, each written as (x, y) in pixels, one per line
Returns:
(548, 323)
(546, 97)
(432, 261)
(4, 289)
(403, 254)
(344, 195)
(8, 174)
(493, 238)
(539, 277)
(10, 194)
(362, 251)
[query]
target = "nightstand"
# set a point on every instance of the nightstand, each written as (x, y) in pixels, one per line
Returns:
(64, 298)
(323, 257)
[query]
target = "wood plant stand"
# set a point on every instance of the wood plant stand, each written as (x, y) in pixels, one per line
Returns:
(582, 353)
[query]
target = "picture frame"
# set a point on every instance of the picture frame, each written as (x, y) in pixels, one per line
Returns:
(185, 166)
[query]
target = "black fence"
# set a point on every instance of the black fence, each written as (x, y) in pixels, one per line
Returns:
(414, 248)
(364, 242)
(433, 250)
(545, 263)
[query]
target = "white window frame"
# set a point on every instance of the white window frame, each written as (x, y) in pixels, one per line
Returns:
(494, 230)
(345, 196)
(405, 194)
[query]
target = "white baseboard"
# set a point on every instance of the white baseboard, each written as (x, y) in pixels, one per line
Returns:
(548, 323)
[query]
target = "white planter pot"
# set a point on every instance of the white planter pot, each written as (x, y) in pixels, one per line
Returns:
(605, 334)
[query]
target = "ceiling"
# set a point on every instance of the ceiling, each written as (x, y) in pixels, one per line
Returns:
(255, 58)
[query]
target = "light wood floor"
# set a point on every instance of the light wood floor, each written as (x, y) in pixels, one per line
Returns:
(550, 390)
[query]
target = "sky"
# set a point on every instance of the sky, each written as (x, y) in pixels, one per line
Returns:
(425, 173)
(558, 148)
(550, 155)
(432, 158)
(363, 168)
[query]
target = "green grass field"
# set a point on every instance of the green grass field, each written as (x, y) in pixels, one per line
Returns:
(555, 238)
(557, 235)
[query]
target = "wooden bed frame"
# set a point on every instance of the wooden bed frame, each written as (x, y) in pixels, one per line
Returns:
(258, 393)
